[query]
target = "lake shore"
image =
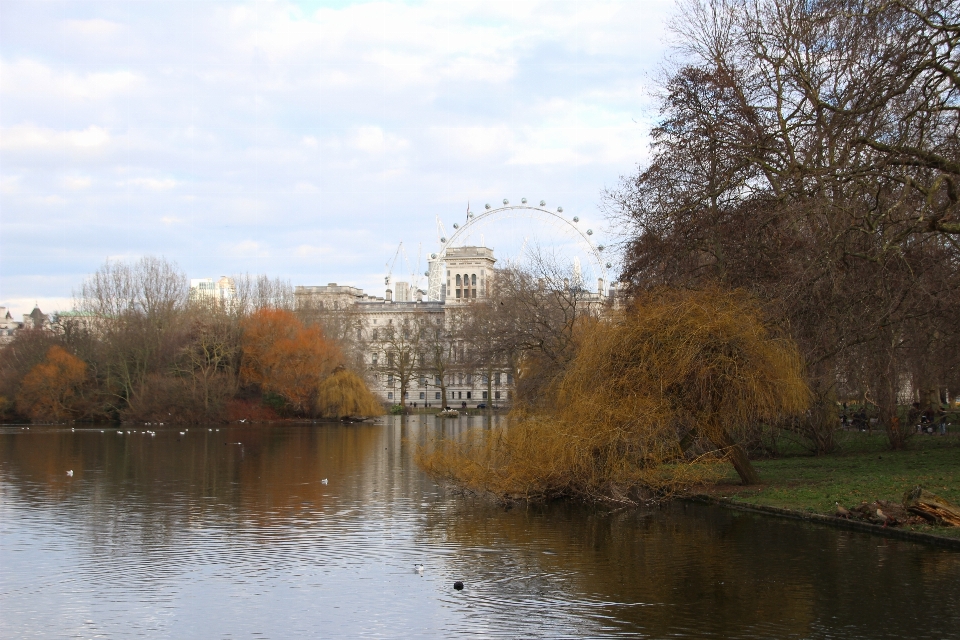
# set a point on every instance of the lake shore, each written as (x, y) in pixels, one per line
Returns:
(862, 470)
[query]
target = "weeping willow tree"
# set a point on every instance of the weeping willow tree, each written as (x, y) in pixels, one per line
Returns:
(343, 394)
(674, 370)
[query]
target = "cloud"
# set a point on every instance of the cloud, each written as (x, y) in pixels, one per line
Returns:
(153, 184)
(77, 182)
(308, 142)
(31, 137)
(27, 78)
(95, 27)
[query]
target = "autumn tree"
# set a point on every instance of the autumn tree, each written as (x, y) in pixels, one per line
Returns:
(282, 356)
(48, 390)
(345, 394)
(652, 396)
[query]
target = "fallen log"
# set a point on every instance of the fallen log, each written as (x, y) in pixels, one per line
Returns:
(931, 506)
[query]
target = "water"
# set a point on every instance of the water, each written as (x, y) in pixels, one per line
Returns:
(184, 536)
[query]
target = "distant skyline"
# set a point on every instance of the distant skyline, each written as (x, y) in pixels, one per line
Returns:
(302, 140)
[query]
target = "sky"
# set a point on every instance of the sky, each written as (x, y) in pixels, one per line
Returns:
(306, 140)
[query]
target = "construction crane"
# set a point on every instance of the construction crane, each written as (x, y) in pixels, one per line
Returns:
(391, 263)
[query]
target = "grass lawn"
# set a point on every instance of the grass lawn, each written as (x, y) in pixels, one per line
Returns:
(862, 470)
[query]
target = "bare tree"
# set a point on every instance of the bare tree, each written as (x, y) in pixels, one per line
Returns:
(807, 152)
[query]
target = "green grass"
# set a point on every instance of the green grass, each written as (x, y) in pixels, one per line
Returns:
(862, 470)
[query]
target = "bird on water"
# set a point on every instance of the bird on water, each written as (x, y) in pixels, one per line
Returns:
(70, 473)
(458, 585)
(418, 568)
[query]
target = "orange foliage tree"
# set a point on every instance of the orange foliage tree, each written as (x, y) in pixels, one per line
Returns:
(49, 387)
(284, 357)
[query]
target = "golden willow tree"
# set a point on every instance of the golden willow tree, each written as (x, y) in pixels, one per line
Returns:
(345, 394)
(654, 394)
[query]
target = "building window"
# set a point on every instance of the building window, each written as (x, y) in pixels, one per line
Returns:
(422, 395)
(473, 280)
(496, 394)
(438, 381)
(473, 293)
(453, 394)
(406, 395)
(390, 396)
(484, 395)
(459, 395)
(459, 281)
(436, 396)
(509, 378)
(390, 379)
(373, 359)
(496, 379)
(468, 395)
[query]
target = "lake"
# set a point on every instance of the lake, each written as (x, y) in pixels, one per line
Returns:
(231, 532)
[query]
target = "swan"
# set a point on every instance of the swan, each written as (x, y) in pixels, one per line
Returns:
(70, 473)
(418, 568)
(324, 481)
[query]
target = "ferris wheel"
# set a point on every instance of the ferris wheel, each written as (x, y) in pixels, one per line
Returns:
(570, 227)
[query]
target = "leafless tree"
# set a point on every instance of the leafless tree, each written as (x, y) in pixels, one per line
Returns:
(808, 152)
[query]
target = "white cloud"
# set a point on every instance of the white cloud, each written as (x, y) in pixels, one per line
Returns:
(31, 137)
(9, 184)
(27, 78)
(289, 134)
(95, 27)
(77, 182)
(153, 184)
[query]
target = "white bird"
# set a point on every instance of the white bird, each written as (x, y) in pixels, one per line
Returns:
(324, 481)
(419, 568)
(183, 433)
(72, 429)
(70, 473)
(120, 432)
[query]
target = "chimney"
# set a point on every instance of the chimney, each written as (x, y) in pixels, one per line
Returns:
(389, 297)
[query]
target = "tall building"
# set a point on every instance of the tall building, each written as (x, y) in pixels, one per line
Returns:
(207, 289)
(469, 273)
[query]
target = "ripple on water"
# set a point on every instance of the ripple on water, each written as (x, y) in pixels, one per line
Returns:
(186, 540)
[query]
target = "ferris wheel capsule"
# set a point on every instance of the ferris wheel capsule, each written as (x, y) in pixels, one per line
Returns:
(609, 266)
(433, 256)
(486, 206)
(600, 247)
(576, 219)
(543, 203)
(523, 201)
(443, 240)
(589, 232)
(505, 201)
(456, 225)
(559, 209)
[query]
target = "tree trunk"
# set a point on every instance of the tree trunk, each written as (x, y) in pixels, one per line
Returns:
(887, 404)
(738, 457)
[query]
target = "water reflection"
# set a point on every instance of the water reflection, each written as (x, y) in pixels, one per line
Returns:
(193, 536)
